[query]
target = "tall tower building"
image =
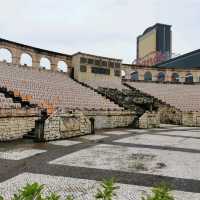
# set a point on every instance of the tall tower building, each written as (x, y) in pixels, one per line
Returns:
(154, 45)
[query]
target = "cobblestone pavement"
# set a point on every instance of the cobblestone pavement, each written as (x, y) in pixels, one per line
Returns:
(138, 159)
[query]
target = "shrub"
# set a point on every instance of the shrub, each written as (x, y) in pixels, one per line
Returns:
(35, 192)
(161, 192)
(107, 191)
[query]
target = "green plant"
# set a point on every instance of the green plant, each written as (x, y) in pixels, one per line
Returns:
(161, 192)
(30, 192)
(69, 197)
(108, 190)
(53, 196)
(35, 192)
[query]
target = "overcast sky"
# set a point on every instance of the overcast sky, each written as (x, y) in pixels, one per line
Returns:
(102, 27)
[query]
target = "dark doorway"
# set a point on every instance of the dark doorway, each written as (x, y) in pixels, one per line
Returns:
(135, 76)
(189, 78)
(39, 127)
(92, 120)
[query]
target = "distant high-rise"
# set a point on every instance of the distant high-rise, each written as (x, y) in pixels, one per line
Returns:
(154, 45)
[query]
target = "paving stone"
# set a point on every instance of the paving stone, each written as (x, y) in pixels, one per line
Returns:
(138, 130)
(18, 154)
(81, 189)
(189, 133)
(131, 159)
(64, 142)
(117, 132)
(94, 137)
(162, 140)
(177, 164)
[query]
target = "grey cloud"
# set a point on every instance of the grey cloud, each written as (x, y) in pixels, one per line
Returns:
(106, 27)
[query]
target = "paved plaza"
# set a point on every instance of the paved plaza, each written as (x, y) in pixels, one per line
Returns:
(138, 159)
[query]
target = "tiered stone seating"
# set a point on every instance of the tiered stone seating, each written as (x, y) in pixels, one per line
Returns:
(7, 103)
(51, 90)
(106, 83)
(184, 97)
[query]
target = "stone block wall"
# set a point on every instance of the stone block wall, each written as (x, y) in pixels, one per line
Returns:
(170, 115)
(191, 119)
(149, 120)
(14, 125)
(111, 119)
(66, 126)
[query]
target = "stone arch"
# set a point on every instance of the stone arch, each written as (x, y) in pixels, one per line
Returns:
(135, 76)
(26, 59)
(189, 78)
(45, 63)
(161, 76)
(62, 66)
(6, 55)
(148, 76)
(175, 77)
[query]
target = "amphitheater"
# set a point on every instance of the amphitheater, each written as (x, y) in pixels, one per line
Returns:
(96, 118)
(49, 103)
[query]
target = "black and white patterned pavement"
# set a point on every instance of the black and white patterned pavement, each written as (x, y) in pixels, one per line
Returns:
(138, 159)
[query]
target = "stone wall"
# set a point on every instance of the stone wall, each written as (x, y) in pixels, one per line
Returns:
(111, 119)
(87, 74)
(191, 119)
(66, 126)
(149, 120)
(14, 124)
(170, 115)
(169, 71)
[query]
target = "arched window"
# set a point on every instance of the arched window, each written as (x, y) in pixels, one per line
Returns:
(123, 73)
(62, 66)
(134, 76)
(148, 76)
(26, 59)
(175, 77)
(45, 63)
(5, 55)
(161, 76)
(189, 78)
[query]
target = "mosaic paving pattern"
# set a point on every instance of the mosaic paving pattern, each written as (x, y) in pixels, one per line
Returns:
(130, 159)
(93, 137)
(148, 139)
(19, 154)
(116, 132)
(65, 143)
(80, 189)
(191, 133)
(138, 159)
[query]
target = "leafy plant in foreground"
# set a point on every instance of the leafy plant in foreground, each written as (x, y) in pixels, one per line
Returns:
(161, 192)
(108, 190)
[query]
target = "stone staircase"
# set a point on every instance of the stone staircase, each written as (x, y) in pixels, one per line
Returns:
(16, 99)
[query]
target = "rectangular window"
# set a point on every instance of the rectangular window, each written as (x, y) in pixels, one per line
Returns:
(83, 68)
(117, 73)
(117, 65)
(83, 60)
(111, 64)
(104, 63)
(97, 70)
(90, 61)
(97, 62)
